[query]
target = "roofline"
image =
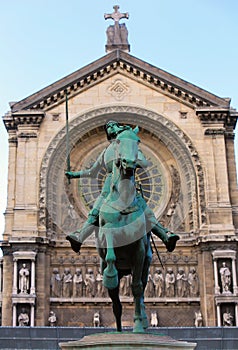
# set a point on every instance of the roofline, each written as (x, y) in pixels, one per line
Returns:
(101, 65)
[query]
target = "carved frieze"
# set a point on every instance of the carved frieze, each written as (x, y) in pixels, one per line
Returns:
(179, 280)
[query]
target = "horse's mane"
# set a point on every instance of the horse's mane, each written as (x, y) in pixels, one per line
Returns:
(128, 134)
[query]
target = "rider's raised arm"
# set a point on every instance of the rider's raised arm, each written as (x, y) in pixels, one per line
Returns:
(141, 161)
(90, 172)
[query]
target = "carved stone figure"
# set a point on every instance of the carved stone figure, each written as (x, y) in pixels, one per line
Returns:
(110, 35)
(170, 283)
(56, 283)
(67, 283)
(96, 319)
(227, 319)
(100, 290)
(193, 283)
(23, 318)
(158, 279)
(181, 283)
(52, 319)
(89, 282)
(124, 34)
(24, 276)
(225, 278)
(125, 285)
(198, 319)
(70, 221)
(154, 319)
(150, 288)
(78, 284)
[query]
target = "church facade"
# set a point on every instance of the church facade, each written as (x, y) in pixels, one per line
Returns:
(187, 135)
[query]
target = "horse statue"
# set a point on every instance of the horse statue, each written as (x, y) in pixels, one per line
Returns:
(122, 239)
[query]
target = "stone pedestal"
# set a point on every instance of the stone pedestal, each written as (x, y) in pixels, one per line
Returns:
(125, 341)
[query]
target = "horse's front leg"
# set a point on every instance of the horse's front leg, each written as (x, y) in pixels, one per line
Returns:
(137, 288)
(145, 272)
(110, 274)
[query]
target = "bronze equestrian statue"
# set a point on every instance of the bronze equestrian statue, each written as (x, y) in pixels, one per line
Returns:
(122, 221)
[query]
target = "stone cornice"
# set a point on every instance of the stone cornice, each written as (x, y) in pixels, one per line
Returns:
(223, 116)
(23, 117)
(119, 61)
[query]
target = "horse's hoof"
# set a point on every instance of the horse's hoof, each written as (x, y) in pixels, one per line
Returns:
(110, 278)
(171, 243)
(138, 328)
(145, 323)
(75, 245)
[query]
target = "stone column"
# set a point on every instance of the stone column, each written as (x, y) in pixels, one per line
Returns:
(217, 288)
(43, 285)
(14, 315)
(235, 288)
(236, 314)
(33, 277)
(218, 315)
(32, 317)
(7, 288)
(9, 215)
(1, 274)
(15, 287)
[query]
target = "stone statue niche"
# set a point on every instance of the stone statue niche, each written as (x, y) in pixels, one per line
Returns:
(23, 315)
(24, 275)
(225, 276)
(228, 315)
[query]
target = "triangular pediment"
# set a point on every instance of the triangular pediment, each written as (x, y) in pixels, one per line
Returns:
(126, 64)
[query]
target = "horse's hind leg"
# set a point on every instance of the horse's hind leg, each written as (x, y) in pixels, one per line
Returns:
(110, 274)
(116, 306)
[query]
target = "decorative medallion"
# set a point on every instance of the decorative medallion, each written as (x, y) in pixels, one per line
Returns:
(118, 89)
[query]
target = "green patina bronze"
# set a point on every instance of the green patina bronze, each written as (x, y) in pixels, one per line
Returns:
(122, 221)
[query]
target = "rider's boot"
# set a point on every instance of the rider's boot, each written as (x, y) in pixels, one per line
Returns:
(78, 237)
(168, 238)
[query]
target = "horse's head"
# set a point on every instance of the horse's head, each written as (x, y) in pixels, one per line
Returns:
(127, 149)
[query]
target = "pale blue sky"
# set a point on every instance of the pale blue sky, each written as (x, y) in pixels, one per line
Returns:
(41, 41)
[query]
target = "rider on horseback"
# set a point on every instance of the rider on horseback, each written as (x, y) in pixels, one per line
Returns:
(112, 129)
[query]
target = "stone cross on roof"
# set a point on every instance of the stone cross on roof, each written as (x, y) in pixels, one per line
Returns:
(117, 34)
(116, 15)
